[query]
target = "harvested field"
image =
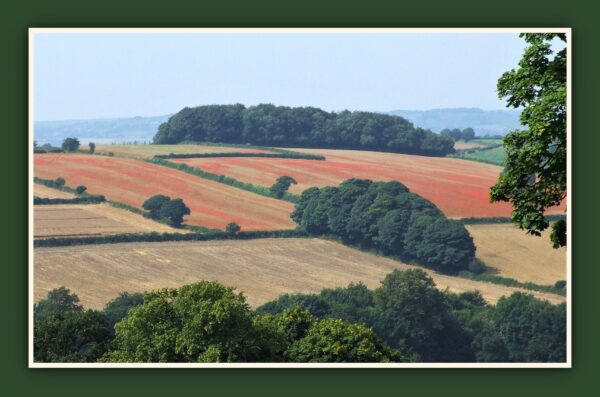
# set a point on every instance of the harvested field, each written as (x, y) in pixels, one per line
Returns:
(147, 151)
(462, 145)
(91, 220)
(47, 192)
(508, 251)
(460, 188)
(129, 181)
(263, 269)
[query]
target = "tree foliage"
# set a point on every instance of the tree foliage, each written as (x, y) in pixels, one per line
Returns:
(281, 186)
(387, 217)
(535, 176)
(270, 125)
(92, 147)
(174, 210)
(70, 144)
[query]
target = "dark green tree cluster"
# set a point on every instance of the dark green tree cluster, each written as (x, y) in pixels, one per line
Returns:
(535, 172)
(207, 322)
(409, 313)
(270, 125)
(281, 186)
(456, 134)
(70, 144)
(386, 217)
(164, 208)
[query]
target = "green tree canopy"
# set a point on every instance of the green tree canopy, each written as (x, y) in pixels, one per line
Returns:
(70, 144)
(174, 210)
(281, 186)
(535, 173)
(59, 300)
(154, 204)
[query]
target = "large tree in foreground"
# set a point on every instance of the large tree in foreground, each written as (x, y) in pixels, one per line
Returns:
(535, 173)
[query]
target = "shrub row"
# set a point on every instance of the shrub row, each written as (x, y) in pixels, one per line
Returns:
(479, 221)
(159, 237)
(41, 151)
(290, 155)
(257, 189)
(76, 200)
(559, 288)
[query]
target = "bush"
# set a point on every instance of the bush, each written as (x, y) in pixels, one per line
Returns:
(80, 189)
(59, 183)
(477, 266)
(70, 144)
(232, 228)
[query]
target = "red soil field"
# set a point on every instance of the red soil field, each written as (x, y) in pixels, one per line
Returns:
(212, 204)
(460, 188)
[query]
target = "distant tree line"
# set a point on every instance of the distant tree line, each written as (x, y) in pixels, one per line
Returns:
(283, 126)
(386, 217)
(457, 134)
(406, 319)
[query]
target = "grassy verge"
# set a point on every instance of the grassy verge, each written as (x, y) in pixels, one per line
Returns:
(257, 189)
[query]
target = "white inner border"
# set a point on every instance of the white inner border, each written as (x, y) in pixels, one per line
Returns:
(34, 31)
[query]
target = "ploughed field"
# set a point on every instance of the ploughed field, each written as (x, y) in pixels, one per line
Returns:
(459, 188)
(130, 181)
(78, 220)
(262, 269)
(147, 151)
(508, 251)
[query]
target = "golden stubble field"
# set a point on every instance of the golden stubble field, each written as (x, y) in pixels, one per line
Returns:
(71, 220)
(262, 269)
(147, 151)
(47, 192)
(508, 251)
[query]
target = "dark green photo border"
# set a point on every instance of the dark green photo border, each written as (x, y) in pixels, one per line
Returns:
(15, 377)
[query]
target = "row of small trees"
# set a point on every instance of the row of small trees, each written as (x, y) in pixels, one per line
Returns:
(466, 135)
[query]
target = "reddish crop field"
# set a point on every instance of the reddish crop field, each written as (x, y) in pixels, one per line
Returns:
(212, 204)
(458, 187)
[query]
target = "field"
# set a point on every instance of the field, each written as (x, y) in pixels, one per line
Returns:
(494, 156)
(147, 151)
(459, 188)
(263, 269)
(474, 144)
(129, 181)
(508, 251)
(47, 192)
(90, 220)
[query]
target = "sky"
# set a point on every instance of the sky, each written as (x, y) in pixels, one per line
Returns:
(91, 75)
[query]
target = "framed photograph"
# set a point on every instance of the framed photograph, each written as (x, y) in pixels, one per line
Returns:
(300, 197)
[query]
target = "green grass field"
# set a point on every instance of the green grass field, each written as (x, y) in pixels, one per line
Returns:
(495, 155)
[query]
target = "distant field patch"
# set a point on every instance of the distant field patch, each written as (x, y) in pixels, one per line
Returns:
(492, 156)
(47, 192)
(459, 188)
(509, 252)
(147, 151)
(131, 182)
(262, 269)
(90, 220)
(462, 145)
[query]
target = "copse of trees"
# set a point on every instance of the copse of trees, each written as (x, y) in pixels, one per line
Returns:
(282, 126)
(387, 217)
(163, 207)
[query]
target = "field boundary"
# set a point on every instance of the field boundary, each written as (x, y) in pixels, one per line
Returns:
(226, 180)
(498, 220)
(161, 237)
(90, 199)
(290, 155)
(511, 282)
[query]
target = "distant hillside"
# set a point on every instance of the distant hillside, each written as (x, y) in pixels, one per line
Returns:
(116, 130)
(493, 122)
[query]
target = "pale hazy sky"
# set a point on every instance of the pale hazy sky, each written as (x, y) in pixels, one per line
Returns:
(84, 75)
